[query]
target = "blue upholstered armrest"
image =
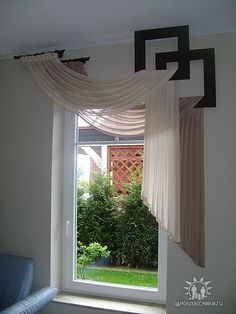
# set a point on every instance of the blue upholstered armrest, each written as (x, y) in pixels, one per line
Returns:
(33, 303)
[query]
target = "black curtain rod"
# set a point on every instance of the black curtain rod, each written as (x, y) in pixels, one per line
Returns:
(60, 54)
(83, 60)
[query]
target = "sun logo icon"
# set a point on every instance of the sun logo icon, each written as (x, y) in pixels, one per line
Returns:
(198, 289)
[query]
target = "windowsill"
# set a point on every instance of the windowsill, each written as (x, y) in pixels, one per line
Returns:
(112, 305)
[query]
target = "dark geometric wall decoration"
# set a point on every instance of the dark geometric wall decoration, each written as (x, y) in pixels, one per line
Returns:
(183, 56)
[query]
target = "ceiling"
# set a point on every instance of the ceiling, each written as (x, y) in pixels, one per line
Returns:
(28, 26)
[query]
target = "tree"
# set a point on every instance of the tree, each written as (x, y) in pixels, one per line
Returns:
(137, 229)
(95, 215)
(123, 224)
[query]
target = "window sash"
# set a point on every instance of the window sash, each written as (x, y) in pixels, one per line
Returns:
(70, 282)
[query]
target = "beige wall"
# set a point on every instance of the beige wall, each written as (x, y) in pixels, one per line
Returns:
(25, 168)
(26, 137)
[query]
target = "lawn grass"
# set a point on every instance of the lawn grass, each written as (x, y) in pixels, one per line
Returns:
(124, 276)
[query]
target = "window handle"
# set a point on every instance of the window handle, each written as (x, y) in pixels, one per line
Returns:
(67, 227)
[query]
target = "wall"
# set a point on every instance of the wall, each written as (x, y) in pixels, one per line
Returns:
(25, 168)
(26, 138)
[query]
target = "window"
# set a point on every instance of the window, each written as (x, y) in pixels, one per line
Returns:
(95, 144)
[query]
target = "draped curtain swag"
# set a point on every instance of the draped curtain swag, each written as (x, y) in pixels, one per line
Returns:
(76, 66)
(143, 102)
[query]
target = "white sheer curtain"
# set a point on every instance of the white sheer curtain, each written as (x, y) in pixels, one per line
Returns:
(117, 107)
(161, 182)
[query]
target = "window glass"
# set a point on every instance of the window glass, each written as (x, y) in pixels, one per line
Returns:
(117, 237)
(110, 241)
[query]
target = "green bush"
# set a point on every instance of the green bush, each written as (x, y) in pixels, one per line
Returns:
(124, 224)
(89, 254)
(137, 229)
(95, 216)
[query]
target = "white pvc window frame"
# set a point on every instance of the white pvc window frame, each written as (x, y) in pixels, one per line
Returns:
(69, 281)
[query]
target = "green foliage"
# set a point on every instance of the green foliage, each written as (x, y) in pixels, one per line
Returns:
(100, 187)
(86, 255)
(137, 229)
(95, 216)
(83, 185)
(123, 224)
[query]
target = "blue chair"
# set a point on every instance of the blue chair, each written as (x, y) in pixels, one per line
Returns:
(16, 276)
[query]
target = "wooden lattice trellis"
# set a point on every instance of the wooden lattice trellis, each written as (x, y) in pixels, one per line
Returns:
(124, 161)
